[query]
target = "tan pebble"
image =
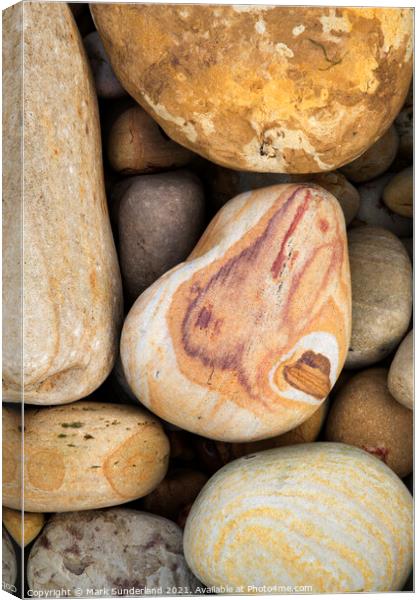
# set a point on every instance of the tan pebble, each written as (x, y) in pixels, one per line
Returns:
(83, 455)
(137, 145)
(23, 530)
(376, 160)
(72, 295)
(401, 373)
(364, 414)
(398, 193)
(381, 277)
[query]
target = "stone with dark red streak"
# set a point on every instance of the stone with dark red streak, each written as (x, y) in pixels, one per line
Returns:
(245, 339)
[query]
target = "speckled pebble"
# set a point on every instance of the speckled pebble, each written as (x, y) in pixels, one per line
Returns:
(109, 551)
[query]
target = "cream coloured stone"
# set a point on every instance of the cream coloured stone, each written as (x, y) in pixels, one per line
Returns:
(381, 281)
(71, 288)
(324, 515)
(81, 456)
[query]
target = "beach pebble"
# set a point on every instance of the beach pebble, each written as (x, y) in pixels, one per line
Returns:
(325, 515)
(364, 414)
(106, 82)
(83, 455)
(160, 219)
(136, 144)
(381, 281)
(251, 332)
(376, 160)
(401, 373)
(72, 297)
(116, 552)
(280, 90)
(398, 193)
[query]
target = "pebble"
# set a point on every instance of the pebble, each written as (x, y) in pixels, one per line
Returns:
(381, 281)
(160, 219)
(250, 333)
(364, 414)
(398, 193)
(136, 144)
(116, 552)
(376, 160)
(106, 82)
(401, 373)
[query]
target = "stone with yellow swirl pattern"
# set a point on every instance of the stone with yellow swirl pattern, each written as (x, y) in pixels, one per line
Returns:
(324, 515)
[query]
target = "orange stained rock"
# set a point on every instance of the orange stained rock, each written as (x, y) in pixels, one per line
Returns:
(246, 338)
(268, 89)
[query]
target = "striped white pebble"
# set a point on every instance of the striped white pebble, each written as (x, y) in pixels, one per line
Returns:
(324, 515)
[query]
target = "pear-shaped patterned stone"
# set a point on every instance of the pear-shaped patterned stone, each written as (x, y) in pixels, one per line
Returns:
(245, 339)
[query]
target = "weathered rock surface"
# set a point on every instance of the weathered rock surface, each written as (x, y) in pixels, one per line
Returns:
(314, 88)
(115, 549)
(72, 298)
